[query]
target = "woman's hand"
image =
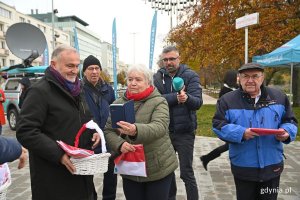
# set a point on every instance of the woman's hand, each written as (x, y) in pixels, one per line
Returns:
(127, 128)
(126, 147)
(96, 139)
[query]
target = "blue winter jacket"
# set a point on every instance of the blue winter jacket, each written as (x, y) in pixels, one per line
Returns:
(183, 117)
(261, 158)
(10, 149)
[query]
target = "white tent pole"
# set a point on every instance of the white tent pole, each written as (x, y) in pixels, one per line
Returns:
(291, 83)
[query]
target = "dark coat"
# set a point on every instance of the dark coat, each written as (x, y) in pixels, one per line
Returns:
(98, 99)
(183, 117)
(10, 149)
(50, 113)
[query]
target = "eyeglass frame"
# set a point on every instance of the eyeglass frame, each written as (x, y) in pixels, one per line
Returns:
(93, 68)
(253, 77)
(171, 59)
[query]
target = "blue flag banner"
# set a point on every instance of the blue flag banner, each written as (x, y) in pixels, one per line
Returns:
(76, 46)
(114, 58)
(152, 39)
(46, 56)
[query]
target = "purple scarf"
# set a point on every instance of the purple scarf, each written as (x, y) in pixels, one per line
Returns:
(72, 88)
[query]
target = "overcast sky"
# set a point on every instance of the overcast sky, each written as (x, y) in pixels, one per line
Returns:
(133, 22)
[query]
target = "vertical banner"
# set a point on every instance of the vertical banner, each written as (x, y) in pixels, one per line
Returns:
(46, 56)
(152, 39)
(76, 46)
(114, 58)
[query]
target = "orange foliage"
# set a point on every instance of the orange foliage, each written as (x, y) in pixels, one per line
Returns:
(208, 40)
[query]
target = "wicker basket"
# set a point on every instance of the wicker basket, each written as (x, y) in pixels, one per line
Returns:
(97, 163)
(4, 187)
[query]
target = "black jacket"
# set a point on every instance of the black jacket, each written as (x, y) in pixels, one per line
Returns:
(50, 113)
(183, 117)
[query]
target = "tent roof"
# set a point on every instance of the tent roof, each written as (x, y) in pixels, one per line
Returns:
(284, 55)
(35, 69)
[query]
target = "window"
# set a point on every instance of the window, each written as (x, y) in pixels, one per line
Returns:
(2, 45)
(3, 62)
(5, 13)
(1, 27)
(12, 84)
(11, 62)
(22, 19)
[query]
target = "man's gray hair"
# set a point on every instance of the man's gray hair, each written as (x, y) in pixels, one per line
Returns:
(57, 51)
(168, 49)
(142, 69)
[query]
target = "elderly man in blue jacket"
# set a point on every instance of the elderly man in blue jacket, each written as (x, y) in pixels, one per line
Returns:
(256, 157)
(183, 120)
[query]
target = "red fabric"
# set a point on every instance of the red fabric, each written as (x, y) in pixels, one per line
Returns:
(132, 156)
(74, 151)
(141, 95)
(2, 115)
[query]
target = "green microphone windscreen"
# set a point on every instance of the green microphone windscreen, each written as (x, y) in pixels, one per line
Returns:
(178, 84)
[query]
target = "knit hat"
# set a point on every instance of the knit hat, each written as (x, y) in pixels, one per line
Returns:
(90, 60)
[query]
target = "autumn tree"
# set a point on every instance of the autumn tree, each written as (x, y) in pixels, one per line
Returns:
(105, 75)
(208, 40)
(121, 77)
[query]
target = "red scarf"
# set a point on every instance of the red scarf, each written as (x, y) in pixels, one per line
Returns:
(141, 95)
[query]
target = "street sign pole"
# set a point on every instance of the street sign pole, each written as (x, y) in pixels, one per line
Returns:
(246, 44)
(246, 21)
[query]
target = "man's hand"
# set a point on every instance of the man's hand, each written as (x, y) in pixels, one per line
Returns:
(282, 137)
(249, 134)
(96, 139)
(182, 96)
(65, 160)
(23, 158)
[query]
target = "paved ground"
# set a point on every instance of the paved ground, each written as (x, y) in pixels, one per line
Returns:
(214, 184)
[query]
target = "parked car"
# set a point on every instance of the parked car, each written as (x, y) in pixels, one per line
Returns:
(12, 90)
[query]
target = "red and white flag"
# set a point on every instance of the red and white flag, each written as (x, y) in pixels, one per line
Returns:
(132, 163)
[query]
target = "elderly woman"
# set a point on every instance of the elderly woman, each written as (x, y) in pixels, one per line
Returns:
(151, 130)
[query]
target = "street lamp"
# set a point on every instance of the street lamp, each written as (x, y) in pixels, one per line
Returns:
(172, 7)
(54, 11)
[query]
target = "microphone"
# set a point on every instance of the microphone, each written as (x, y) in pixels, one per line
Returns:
(178, 84)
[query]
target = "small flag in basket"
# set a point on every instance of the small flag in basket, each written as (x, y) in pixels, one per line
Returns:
(75, 152)
(132, 163)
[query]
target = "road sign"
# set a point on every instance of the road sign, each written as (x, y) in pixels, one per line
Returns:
(246, 20)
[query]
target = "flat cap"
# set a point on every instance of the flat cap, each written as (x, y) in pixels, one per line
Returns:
(249, 66)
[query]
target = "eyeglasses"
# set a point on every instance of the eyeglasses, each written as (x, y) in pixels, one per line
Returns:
(253, 77)
(169, 59)
(93, 68)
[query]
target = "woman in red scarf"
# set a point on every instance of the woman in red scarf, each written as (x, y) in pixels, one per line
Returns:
(151, 130)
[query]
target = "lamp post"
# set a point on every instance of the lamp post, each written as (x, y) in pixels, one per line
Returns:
(172, 7)
(54, 11)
